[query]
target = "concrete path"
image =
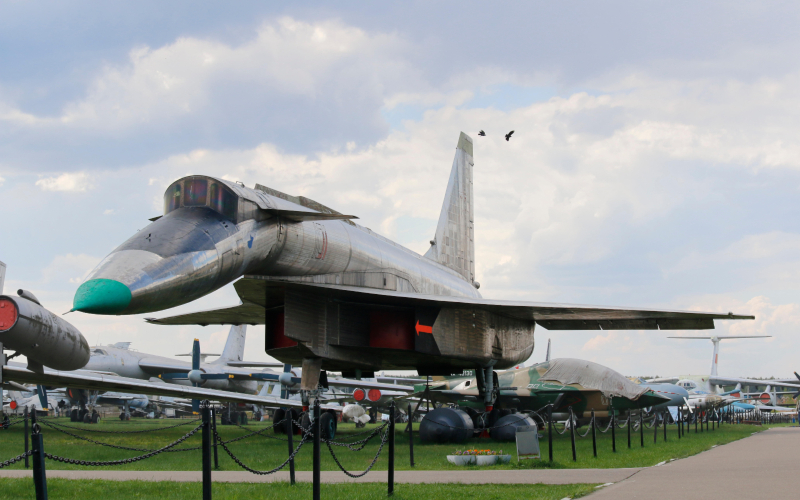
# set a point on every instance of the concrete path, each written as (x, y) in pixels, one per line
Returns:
(761, 466)
(557, 476)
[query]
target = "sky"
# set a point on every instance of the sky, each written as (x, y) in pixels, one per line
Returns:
(655, 160)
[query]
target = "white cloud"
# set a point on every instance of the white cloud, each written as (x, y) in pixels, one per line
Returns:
(69, 268)
(68, 181)
(2, 181)
(108, 211)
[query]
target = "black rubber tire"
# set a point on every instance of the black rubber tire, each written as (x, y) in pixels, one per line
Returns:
(505, 428)
(95, 418)
(82, 415)
(73, 415)
(87, 418)
(446, 425)
(279, 415)
(327, 424)
(122, 416)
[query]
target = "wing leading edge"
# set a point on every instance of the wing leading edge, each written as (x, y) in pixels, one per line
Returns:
(259, 294)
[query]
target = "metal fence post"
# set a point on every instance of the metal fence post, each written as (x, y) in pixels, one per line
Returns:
(410, 435)
(679, 422)
(572, 433)
(655, 427)
(665, 425)
(392, 411)
(39, 476)
(289, 437)
(317, 431)
(206, 412)
(550, 431)
(641, 427)
(613, 431)
(629, 429)
(25, 433)
(214, 428)
(594, 436)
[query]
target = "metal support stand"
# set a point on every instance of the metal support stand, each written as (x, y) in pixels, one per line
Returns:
(317, 432)
(410, 435)
(392, 413)
(550, 431)
(39, 476)
(594, 436)
(572, 433)
(25, 433)
(206, 412)
(214, 428)
(613, 431)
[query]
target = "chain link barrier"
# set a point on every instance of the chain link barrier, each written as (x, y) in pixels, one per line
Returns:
(89, 463)
(88, 429)
(353, 445)
(117, 446)
(12, 461)
(384, 439)
(222, 443)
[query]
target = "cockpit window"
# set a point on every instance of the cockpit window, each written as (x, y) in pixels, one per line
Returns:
(195, 192)
(96, 352)
(223, 201)
(201, 192)
(172, 198)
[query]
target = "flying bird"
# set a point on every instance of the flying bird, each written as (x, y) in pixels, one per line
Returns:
(482, 133)
(508, 135)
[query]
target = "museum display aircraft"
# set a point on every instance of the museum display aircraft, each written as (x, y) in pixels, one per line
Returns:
(335, 295)
(705, 390)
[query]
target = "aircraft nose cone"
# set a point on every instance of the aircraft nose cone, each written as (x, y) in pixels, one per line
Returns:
(102, 296)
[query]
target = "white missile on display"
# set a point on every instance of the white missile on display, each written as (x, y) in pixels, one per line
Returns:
(38, 334)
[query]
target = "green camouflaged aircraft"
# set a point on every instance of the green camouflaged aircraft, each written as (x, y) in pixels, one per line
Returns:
(565, 382)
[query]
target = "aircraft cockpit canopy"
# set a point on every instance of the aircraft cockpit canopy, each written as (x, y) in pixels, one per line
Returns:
(687, 384)
(199, 191)
(98, 352)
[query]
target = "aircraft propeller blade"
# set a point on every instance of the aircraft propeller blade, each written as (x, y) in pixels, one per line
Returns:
(173, 376)
(42, 396)
(688, 405)
(216, 376)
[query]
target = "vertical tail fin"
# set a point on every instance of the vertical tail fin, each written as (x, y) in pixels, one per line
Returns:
(234, 346)
(453, 244)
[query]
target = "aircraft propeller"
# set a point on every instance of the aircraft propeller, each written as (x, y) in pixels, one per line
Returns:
(688, 405)
(796, 394)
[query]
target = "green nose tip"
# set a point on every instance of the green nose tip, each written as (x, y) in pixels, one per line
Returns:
(102, 296)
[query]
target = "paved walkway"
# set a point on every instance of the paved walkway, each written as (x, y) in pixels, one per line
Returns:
(557, 476)
(761, 466)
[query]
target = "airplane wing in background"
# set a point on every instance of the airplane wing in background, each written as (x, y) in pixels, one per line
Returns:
(717, 380)
(259, 294)
(96, 382)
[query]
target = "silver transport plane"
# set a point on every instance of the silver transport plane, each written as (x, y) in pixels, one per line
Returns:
(335, 295)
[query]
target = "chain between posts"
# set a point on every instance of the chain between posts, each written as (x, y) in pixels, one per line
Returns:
(255, 471)
(384, 439)
(89, 463)
(119, 432)
(12, 461)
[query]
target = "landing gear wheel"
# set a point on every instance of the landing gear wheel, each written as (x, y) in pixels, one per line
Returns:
(280, 427)
(73, 415)
(95, 418)
(327, 424)
(82, 415)
(87, 419)
(122, 416)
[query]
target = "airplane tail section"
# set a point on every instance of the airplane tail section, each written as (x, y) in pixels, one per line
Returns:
(453, 244)
(234, 346)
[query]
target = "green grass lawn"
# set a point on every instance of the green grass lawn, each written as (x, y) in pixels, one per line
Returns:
(265, 453)
(71, 489)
